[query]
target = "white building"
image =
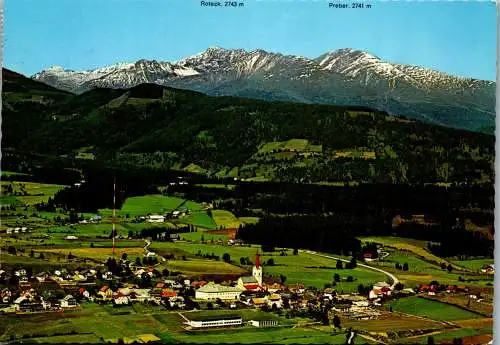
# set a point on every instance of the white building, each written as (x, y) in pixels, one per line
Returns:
(216, 322)
(212, 291)
(68, 302)
(156, 218)
(263, 323)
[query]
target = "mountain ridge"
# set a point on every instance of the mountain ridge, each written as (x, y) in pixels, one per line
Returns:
(339, 77)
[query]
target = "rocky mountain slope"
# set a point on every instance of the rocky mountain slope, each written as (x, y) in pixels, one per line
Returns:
(342, 77)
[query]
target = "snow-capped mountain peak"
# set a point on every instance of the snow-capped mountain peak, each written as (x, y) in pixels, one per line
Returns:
(343, 76)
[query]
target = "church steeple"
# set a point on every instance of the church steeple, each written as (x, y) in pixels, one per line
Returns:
(257, 269)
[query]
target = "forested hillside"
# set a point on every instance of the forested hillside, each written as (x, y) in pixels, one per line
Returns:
(151, 125)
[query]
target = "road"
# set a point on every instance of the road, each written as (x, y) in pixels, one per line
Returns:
(394, 279)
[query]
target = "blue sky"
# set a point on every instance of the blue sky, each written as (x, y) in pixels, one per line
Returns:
(454, 37)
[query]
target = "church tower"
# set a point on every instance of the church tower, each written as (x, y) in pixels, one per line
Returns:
(257, 269)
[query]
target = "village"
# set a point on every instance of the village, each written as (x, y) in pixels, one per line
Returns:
(63, 291)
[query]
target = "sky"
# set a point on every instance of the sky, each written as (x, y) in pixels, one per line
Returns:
(458, 37)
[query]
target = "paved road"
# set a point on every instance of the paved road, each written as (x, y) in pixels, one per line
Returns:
(394, 279)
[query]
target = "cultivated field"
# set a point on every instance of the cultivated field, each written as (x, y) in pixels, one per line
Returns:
(432, 309)
(36, 192)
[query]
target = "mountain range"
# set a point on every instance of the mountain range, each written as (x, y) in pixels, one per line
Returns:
(342, 77)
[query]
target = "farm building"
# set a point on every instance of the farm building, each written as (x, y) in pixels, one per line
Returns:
(71, 238)
(263, 323)
(212, 291)
(275, 300)
(156, 218)
(221, 321)
(490, 269)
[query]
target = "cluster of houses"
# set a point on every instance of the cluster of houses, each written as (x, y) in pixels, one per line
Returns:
(92, 220)
(63, 290)
(161, 218)
(17, 230)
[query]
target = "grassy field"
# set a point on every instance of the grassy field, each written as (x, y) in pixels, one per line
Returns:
(37, 192)
(228, 220)
(151, 204)
(303, 268)
(416, 247)
(10, 200)
(200, 219)
(12, 173)
(292, 144)
(420, 271)
(94, 253)
(217, 186)
(432, 309)
(263, 336)
(474, 265)
(199, 235)
(142, 205)
(194, 266)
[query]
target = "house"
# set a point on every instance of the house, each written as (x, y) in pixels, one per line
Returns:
(96, 218)
(68, 302)
(198, 284)
(274, 287)
(121, 300)
(105, 292)
(71, 238)
(378, 292)
(228, 321)
(263, 323)
(177, 301)
(297, 288)
(258, 302)
(168, 293)
(156, 218)
(212, 291)
(275, 300)
(140, 295)
(489, 269)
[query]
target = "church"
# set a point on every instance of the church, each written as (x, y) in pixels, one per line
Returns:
(253, 282)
